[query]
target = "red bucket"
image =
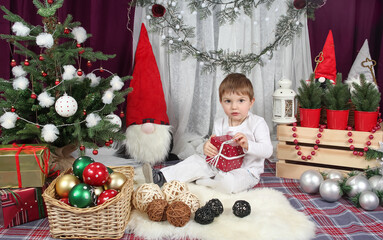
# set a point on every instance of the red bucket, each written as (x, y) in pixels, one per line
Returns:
(365, 121)
(337, 119)
(309, 117)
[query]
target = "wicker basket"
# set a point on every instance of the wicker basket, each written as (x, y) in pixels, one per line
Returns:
(107, 221)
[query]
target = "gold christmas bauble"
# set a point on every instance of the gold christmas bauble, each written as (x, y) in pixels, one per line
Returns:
(98, 190)
(65, 183)
(116, 181)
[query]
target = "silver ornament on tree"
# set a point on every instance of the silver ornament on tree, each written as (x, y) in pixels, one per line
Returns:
(334, 174)
(368, 200)
(376, 183)
(330, 190)
(310, 181)
(358, 184)
(66, 106)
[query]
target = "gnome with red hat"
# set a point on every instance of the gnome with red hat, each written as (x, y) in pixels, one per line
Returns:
(148, 134)
(325, 62)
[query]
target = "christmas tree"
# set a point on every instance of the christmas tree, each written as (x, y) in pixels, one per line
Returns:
(51, 99)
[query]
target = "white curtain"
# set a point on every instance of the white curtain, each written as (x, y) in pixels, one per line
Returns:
(192, 96)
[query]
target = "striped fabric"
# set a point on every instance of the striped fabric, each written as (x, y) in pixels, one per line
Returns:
(338, 220)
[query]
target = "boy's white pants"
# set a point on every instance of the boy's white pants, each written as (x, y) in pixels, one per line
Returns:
(195, 168)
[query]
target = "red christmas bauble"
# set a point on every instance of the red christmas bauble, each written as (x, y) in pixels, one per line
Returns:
(66, 31)
(95, 174)
(158, 10)
(33, 95)
(105, 195)
(122, 114)
(50, 1)
(84, 112)
(299, 4)
(107, 143)
(44, 74)
(13, 109)
(78, 45)
(26, 62)
(41, 58)
(79, 72)
(89, 64)
(81, 52)
(13, 63)
(111, 141)
(82, 148)
(57, 82)
(65, 200)
(101, 69)
(95, 152)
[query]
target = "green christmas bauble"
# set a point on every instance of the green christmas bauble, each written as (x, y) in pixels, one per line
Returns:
(79, 165)
(82, 196)
(110, 171)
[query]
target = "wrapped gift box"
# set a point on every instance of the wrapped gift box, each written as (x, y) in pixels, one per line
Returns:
(23, 166)
(20, 206)
(230, 154)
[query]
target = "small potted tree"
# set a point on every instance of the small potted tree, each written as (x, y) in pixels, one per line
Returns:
(310, 103)
(366, 98)
(336, 98)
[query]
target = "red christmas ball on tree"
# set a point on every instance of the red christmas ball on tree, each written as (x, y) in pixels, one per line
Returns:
(26, 62)
(105, 195)
(95, 174)
(299, 4)
(41, 57)
(13, 63)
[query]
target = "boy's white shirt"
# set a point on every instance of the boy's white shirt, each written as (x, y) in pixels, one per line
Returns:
(258, 135)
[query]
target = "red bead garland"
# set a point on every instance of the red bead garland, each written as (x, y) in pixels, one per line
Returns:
(315, 147)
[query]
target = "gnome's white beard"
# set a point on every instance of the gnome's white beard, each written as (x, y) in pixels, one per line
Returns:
(148, 148)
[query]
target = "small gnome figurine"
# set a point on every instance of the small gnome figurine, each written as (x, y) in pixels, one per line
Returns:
(148, 134)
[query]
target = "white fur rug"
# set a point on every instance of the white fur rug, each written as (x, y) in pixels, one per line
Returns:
(272, 217)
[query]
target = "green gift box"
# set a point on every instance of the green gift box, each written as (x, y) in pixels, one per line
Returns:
(23, 166)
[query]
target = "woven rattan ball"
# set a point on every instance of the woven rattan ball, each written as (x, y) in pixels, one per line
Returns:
(157, 210)
(178, 214)
(216, 206)
(146, 193)
(173, 189)
(204, 215)
(241, 208)
(190, 199)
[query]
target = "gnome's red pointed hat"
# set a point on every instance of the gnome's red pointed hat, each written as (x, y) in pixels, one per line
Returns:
(146, 103)
(326, 63)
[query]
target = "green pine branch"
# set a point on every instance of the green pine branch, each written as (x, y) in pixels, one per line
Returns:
(310, 95)
(337, 97)
(366, 96)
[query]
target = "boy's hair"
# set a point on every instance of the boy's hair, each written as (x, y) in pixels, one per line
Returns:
(236, 83)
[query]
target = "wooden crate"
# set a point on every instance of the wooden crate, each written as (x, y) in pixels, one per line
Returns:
(333, 153)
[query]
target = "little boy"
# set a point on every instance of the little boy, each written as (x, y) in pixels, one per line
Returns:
(250, 131)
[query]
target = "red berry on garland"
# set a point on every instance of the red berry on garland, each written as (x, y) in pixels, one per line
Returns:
(371, 137)
(95, 152)
(33, 95)
(79, 72)
(361, 154)
(317, 141)
(319, 135)
(50, 1)
(355, 153)
(349, 134)
(365, 149)
(294, 128)
(352, 147)
(95, 174)
(41, 58)
(294, 135)
(66, 31)
(303, 157)
(294, 124)
(368, 143)
(349, 128)
(26, 62)
(13, 109)
(82, 148)
(350, 140)
(297, 147)
(89, 64)
(299, 4)
(122, 114)
(299, 153)
(313, 153)
(316, 147)
(13, 63)
(320, 129)
(308, 157)
(295, 141)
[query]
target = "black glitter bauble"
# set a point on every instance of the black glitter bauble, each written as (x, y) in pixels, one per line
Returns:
(204, 215)
(241, 208)
(216, 206)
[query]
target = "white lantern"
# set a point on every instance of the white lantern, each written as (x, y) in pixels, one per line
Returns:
(284, 103)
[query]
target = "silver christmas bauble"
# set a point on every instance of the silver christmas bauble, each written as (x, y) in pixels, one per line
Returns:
(334, 174)
(358, 184)
(330, 190)
(368, 200)
(310, 181)
(376, 183)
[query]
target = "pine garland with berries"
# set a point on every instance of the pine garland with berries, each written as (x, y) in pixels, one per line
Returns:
(52, 75)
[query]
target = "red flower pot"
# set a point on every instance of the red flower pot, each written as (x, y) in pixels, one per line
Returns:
(365, 121)
(309, 117)
(337, 119)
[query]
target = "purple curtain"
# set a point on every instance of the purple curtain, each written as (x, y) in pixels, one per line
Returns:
(107, 21)
(351, 22)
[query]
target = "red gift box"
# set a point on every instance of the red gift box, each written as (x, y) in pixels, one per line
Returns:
(230, 154)
(20, 206)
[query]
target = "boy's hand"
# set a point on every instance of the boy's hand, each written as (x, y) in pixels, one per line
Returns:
(209, 149)
(241, 139)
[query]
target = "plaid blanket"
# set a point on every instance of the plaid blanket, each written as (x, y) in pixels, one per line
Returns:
(338, 220)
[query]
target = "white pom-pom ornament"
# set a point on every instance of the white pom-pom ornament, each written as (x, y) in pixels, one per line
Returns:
(113, 118)
(66, 106)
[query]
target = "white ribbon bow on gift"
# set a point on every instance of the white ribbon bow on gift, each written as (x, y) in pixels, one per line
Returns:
(214, 160)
